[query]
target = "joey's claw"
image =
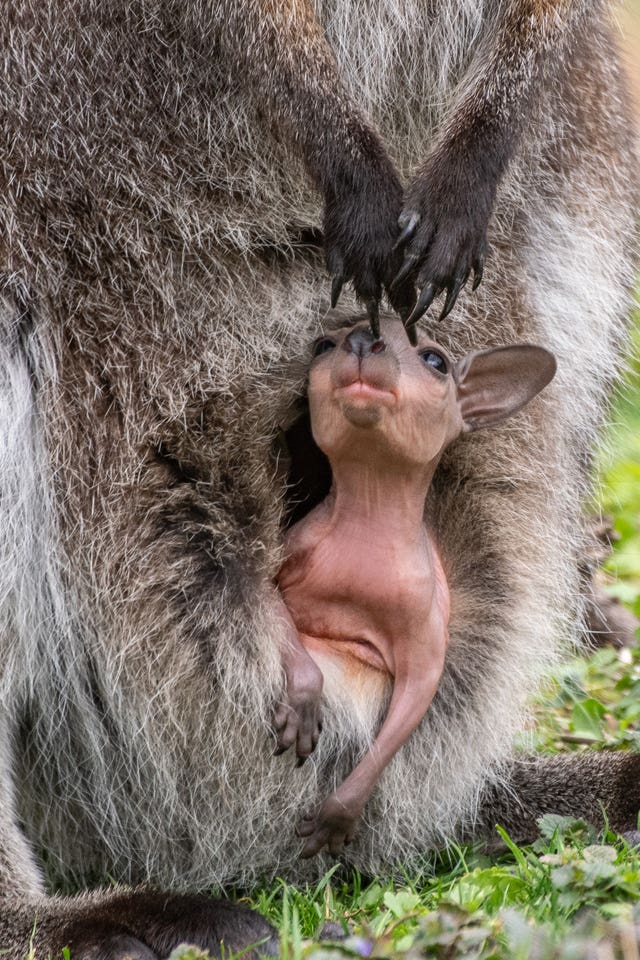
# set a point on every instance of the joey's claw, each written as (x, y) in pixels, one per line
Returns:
(408, 223)
(333, 826)
(299, 727)
(296, 720)
(280, 717)
(425, 300)
(412, 333)
(306, 826)
(322, 835)
(285, 725)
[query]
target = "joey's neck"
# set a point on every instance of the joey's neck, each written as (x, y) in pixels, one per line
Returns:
(387, 503)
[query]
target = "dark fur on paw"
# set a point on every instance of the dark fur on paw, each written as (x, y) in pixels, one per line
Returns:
(443, 228)
(145, 925)
(361, 230)
(119, 947)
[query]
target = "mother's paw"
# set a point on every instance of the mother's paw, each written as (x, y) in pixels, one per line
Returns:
(444, 230)
(144, 925)
(117, 947)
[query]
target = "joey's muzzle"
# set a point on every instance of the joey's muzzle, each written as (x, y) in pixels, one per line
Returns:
(362, 342)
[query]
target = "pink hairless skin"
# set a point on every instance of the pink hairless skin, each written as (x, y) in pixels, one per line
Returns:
(363, 582)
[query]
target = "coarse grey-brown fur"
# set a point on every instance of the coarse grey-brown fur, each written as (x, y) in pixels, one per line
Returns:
(159, 293)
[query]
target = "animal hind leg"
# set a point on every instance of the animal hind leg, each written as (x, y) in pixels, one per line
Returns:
(588, 786)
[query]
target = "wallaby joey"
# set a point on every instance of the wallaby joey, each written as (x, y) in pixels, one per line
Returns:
(363, 579)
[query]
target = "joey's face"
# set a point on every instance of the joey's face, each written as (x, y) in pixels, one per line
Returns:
(382, 398)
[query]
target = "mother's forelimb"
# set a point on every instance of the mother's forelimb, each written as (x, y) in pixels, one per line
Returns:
(284, 56)
(449, 204)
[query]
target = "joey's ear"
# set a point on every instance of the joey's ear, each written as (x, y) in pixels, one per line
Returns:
(494, 384)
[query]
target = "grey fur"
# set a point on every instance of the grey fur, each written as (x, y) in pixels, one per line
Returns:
(157, 306)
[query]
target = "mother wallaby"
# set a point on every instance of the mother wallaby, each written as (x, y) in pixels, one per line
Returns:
(169, 172)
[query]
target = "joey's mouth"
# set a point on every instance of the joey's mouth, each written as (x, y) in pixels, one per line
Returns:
(361, 390)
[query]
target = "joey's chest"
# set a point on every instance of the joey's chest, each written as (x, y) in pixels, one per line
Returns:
(343, 591)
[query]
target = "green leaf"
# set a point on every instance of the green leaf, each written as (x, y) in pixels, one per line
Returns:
(586, 719)
(595, 872)
(401, 903)
(561, 877)
(600, 853)
(553, 825)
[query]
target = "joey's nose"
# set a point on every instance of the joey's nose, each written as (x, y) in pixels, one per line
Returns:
(362, 342)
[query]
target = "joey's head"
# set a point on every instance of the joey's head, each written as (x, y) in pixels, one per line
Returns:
(387, 403)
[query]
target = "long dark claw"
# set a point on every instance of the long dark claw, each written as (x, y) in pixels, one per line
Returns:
(412, 333)
(452, 296)
(425, 300)
(478, 270)
(408, 229)
(409, 264)
(374, 318)
(336, 289)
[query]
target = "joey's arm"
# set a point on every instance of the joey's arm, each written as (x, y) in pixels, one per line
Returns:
(279, 49)
(297, 718)
(449, 203)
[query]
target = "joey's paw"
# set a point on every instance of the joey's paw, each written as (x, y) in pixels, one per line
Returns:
(360, 231)
(298, 719)
(443, 235)
(334, 826)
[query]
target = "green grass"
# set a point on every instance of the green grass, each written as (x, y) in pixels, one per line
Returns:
(573, 894)
(620, 485)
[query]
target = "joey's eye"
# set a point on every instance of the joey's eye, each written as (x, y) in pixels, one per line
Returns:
(435, 360)
(322, 345)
